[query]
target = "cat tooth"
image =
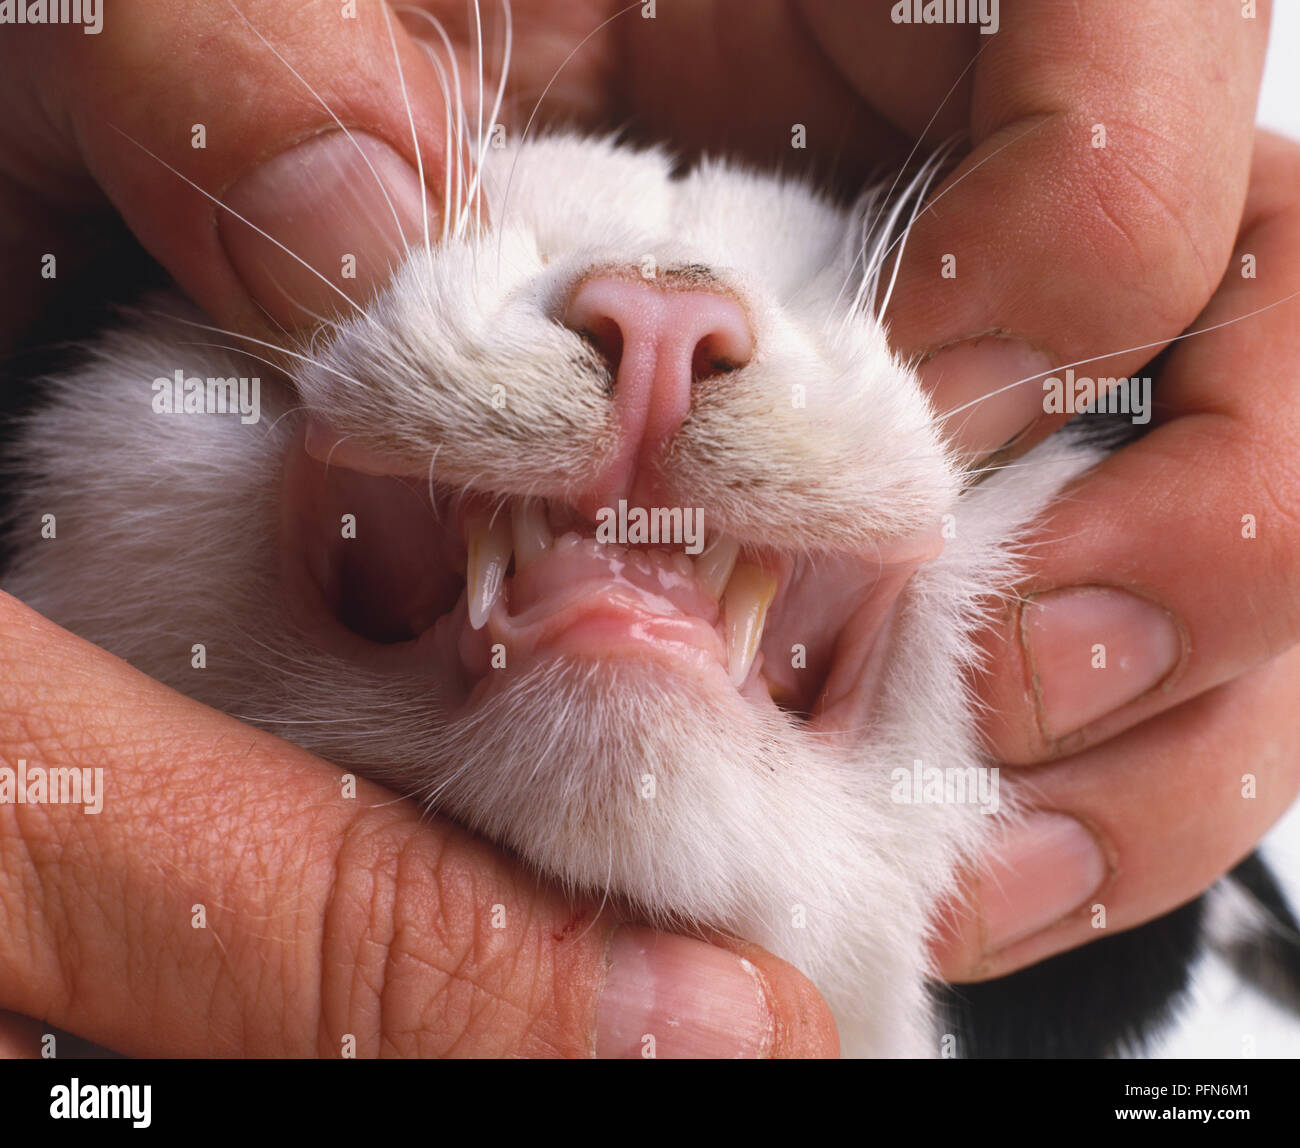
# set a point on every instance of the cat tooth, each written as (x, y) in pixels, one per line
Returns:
(488, 542)
(532, 533)
(749, 594)
(714, 566)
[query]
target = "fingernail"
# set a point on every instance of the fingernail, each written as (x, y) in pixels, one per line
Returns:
(1046, 868)
(1091, 650)
(323, 203)
(673, 998)
(976, 372)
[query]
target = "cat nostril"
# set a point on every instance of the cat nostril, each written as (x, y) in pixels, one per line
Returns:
(605, 335)
(714, 356)
(640, 327)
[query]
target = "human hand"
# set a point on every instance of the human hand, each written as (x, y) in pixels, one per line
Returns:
(322, 916)
(232, 899)
(1175, 758)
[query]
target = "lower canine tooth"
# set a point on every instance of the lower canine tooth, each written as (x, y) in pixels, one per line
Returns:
(532, 533)
(749, 594)
(714, 566)
(487, 539)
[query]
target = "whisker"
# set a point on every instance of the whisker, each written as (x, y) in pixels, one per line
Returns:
(478, 65)
(929, 206)
(926, 181)
(259, 342)
(285, 293)
(329, 111)
(292, 254)
(410, 119)
(930, 123)
(448, 160)
(1126, 351)
(291, 411)
(459, 99)
(329, 458)
(233, 349)
(528, 126)
(911, 155)
(476, 189)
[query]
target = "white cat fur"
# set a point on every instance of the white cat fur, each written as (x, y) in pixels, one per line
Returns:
(167, 537)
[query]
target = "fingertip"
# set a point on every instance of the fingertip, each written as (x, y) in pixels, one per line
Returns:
(317, 228)
(804, 1026)
(674, 997)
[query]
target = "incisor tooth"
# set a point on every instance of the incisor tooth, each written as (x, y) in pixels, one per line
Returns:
(487, 540)
(749, 594)
(714, 566)
(532, 533)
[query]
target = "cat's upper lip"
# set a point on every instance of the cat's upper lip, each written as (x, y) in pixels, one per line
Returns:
(376, 562)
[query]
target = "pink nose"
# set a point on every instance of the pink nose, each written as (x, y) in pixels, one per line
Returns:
(658, 342)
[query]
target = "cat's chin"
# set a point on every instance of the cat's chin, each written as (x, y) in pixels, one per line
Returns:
(625, 778)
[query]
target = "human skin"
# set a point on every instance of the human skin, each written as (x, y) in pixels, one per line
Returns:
(1098, 250)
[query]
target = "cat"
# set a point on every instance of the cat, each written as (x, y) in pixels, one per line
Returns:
(389, 552)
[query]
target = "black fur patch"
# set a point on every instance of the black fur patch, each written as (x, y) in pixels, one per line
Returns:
(1118, 994)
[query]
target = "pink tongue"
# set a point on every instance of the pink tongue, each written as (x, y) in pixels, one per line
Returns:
(583, 599)
(573, 562)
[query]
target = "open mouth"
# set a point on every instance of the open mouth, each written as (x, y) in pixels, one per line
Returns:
(392, 571)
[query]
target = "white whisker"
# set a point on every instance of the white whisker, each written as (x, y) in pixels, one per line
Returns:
(292, 254)
(330, 112)
(459, 103)
(1125, 351)
(549, 83)
(410, 119)
(259, 342)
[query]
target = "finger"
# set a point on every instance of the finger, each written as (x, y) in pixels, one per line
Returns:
(1192, 573)
(20, 1037)
(750, 77)
(230, 898)
(209, 124)
(25, 1038)
(1096, 210)
(1129, 830)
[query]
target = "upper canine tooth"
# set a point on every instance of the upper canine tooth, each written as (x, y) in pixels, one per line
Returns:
(714, 566)
(532, 533)
(487, 540)
(749, 594)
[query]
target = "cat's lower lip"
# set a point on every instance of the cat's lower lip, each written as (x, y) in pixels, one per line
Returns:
(376, 570)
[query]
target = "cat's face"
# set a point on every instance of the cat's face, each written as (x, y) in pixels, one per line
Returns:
(602, 707)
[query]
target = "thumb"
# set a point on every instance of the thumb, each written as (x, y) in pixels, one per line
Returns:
(261, 152)
(1094, 218)
(232, 897)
